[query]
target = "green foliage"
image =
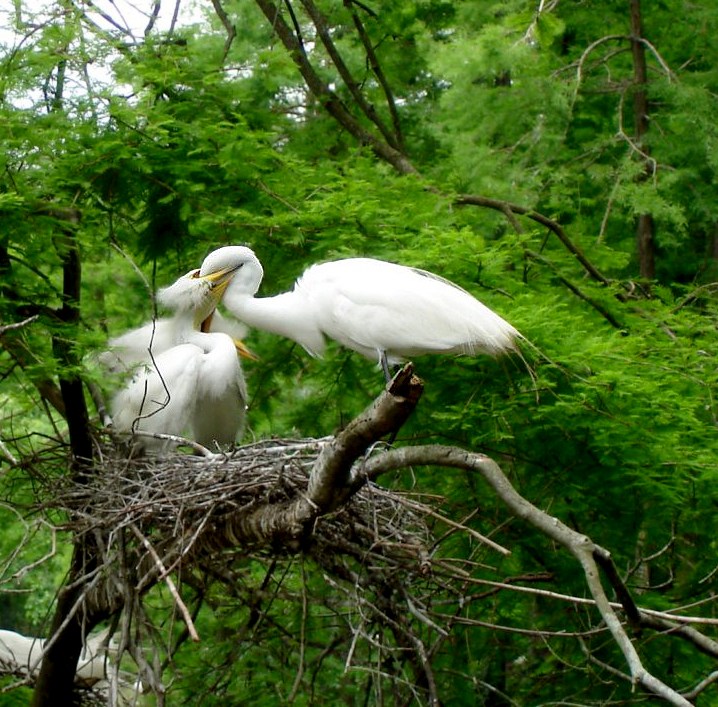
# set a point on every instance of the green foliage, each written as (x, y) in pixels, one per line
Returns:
(180, 149)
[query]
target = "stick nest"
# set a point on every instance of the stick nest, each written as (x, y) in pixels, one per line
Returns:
(150, 520)
(184, 500)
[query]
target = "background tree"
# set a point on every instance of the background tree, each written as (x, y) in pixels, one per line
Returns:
(556, 159)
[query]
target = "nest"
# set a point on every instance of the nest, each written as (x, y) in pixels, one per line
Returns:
(186, 499)
(158, 516)
(178, 521)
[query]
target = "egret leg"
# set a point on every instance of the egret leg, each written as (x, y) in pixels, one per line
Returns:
(385, 366)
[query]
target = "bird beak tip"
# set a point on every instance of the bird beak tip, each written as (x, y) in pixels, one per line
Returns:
(245, 352)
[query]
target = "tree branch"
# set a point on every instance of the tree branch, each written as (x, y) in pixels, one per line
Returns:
(576, 290)
(17, 325)
(331, 102)
(373, 60)
(227, 24)
(78, 420)
(329, 484)
(508, 207)
(580, 546)
(322, 28)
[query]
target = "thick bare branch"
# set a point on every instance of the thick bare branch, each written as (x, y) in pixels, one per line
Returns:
(553, 226)
(329, 484)
(227, 24)
(46, 387)
(375, 66)
(17, 325)
(576, 290)
(78, 420)
(322, 27)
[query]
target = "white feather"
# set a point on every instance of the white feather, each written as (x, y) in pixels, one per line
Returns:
(371, 306)
(186, 382)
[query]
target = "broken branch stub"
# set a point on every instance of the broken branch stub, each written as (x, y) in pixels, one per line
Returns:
(330, 481)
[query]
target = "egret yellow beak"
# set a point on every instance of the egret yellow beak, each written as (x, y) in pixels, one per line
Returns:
(241, 347)
(218, 279)
(243, 351)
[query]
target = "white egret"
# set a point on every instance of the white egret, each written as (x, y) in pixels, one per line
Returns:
(23, 654)
(127, 351)
(192, 388)
(382, 310)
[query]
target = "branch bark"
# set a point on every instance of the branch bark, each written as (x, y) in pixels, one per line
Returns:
(322, 27)
(69, 625)
(579, 545)
(78, 419)
(331, 102)
(227, 23)
(576, 290)
(507, 207)
(373, 61)
(331, 481)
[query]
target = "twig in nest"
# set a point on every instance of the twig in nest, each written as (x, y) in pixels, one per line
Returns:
(168, 581)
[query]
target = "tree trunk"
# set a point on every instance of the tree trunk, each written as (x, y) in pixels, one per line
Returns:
(645, 226)
(70, 623)
(55, 681)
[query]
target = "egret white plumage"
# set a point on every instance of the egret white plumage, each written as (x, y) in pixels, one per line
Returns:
(140, 345)
(192, 388)
(382, 310)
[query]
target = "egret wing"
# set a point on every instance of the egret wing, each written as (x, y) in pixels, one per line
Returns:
(160, 397)
(371, 305)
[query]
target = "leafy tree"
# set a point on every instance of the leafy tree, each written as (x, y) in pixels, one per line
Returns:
(558, 160)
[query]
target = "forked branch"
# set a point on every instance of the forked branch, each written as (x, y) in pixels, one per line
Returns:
(579, 545)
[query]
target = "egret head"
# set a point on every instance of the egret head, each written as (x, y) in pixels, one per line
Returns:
(195, 294)
(237, 262)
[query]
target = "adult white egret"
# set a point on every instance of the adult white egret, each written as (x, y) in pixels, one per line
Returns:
(382, 310)
(192, 388)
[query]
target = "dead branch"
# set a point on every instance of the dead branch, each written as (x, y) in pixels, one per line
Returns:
(322, 27)
(576, 290)
(25, 358)
(580, 546)
(227, 24)
(8, 454)
(328, 98)
(329, 485)
(553, 226)
(375, 66)
(18, 325)
(701, 686)
(164, 575)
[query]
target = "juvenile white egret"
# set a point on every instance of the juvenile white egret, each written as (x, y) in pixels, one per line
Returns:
(23, 654)
(126, 351)
(382, 310)
(194, 387)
